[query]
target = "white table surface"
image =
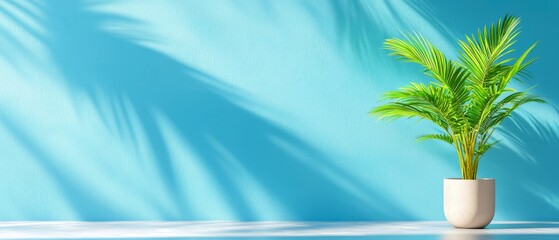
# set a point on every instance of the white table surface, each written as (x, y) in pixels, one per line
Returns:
(274, 230)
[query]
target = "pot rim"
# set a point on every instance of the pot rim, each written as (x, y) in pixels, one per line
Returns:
(478, 179)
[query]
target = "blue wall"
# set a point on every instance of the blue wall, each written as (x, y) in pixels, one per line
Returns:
(246, 110)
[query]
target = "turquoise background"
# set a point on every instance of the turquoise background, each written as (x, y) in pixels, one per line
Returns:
(247, 110)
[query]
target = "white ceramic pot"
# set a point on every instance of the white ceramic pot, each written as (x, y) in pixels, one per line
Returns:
(469, 203)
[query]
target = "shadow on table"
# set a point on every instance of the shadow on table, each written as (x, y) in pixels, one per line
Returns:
(489, 237)
(392, 237)
(518, 231)
(528, 230)
(521, 225)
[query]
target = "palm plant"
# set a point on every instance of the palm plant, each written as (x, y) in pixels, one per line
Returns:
(469, 97)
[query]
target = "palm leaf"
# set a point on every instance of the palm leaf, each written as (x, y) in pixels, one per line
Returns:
(480, 53)
(440, 136)
(482, 149)
(451, 78)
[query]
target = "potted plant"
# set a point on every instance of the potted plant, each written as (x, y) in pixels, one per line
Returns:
(467, 99)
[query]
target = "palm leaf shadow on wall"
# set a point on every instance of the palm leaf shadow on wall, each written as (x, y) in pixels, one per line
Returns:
(530, 152)
(205, 114)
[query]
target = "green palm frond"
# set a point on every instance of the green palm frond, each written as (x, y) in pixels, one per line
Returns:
(506, 107)
(418, 100)
(415, 48)
(450, 87)
(482, 149)
(484, 54)
(437, 136)
(468, 98)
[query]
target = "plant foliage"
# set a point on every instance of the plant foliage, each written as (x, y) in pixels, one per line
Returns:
(469, 97)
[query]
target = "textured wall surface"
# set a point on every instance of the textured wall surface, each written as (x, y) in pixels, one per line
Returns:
(247, 110)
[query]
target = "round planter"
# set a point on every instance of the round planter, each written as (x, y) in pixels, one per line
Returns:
(469, 203)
